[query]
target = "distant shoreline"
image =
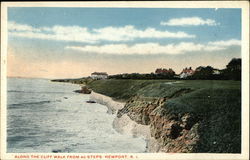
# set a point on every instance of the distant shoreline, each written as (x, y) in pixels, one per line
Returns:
(30, 78)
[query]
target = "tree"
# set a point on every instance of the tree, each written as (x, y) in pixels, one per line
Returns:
(233, 69)
(203, 73)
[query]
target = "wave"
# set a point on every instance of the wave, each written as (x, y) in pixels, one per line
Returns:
(15, 105)
(35, 92)
(63, 150)
(15, 91)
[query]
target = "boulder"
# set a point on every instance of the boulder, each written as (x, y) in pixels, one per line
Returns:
(84, 90)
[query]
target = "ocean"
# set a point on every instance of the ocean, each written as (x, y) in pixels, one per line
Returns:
(48, 117)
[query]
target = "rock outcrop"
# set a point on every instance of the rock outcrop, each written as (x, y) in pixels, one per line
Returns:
(173, 133)
(84, 90)
(124, 124)
(139, 109)
(150, 118)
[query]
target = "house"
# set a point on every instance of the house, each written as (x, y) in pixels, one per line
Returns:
(186, 72)
(99, 75)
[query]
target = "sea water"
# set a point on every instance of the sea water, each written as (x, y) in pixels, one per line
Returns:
(46, 117)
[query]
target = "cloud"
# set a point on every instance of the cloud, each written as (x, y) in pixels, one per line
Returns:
(231, 42)
(84, 34)
(143, 48)
(154, 48)
(21, 27)
(189, 21)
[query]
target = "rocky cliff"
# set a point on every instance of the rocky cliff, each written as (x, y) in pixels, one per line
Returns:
(173, 133)
(149, 117)
(124, 124)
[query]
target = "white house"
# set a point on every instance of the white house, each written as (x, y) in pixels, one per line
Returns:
(186, 72)
(99, 75)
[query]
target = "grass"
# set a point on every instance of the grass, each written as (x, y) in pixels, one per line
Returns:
(120, 89)
(215, 103)
(219, 110)
(125, 89)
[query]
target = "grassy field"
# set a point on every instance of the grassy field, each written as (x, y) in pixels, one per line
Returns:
(125, 89)
(217, 105)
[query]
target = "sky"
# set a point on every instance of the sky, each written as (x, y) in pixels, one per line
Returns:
(47, 42)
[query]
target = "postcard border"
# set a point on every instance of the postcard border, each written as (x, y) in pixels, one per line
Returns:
(139, 4)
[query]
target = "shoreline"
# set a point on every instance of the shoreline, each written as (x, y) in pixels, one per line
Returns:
(124, 125)
(173, 118)
(113, 106)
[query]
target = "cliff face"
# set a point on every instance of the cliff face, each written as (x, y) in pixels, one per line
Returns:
(173, 133)
(124, 124)
(150, 118)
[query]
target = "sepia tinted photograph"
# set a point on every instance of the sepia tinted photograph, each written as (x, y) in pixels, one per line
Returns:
(127, 81)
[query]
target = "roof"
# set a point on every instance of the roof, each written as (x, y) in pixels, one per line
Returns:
(186, 70)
